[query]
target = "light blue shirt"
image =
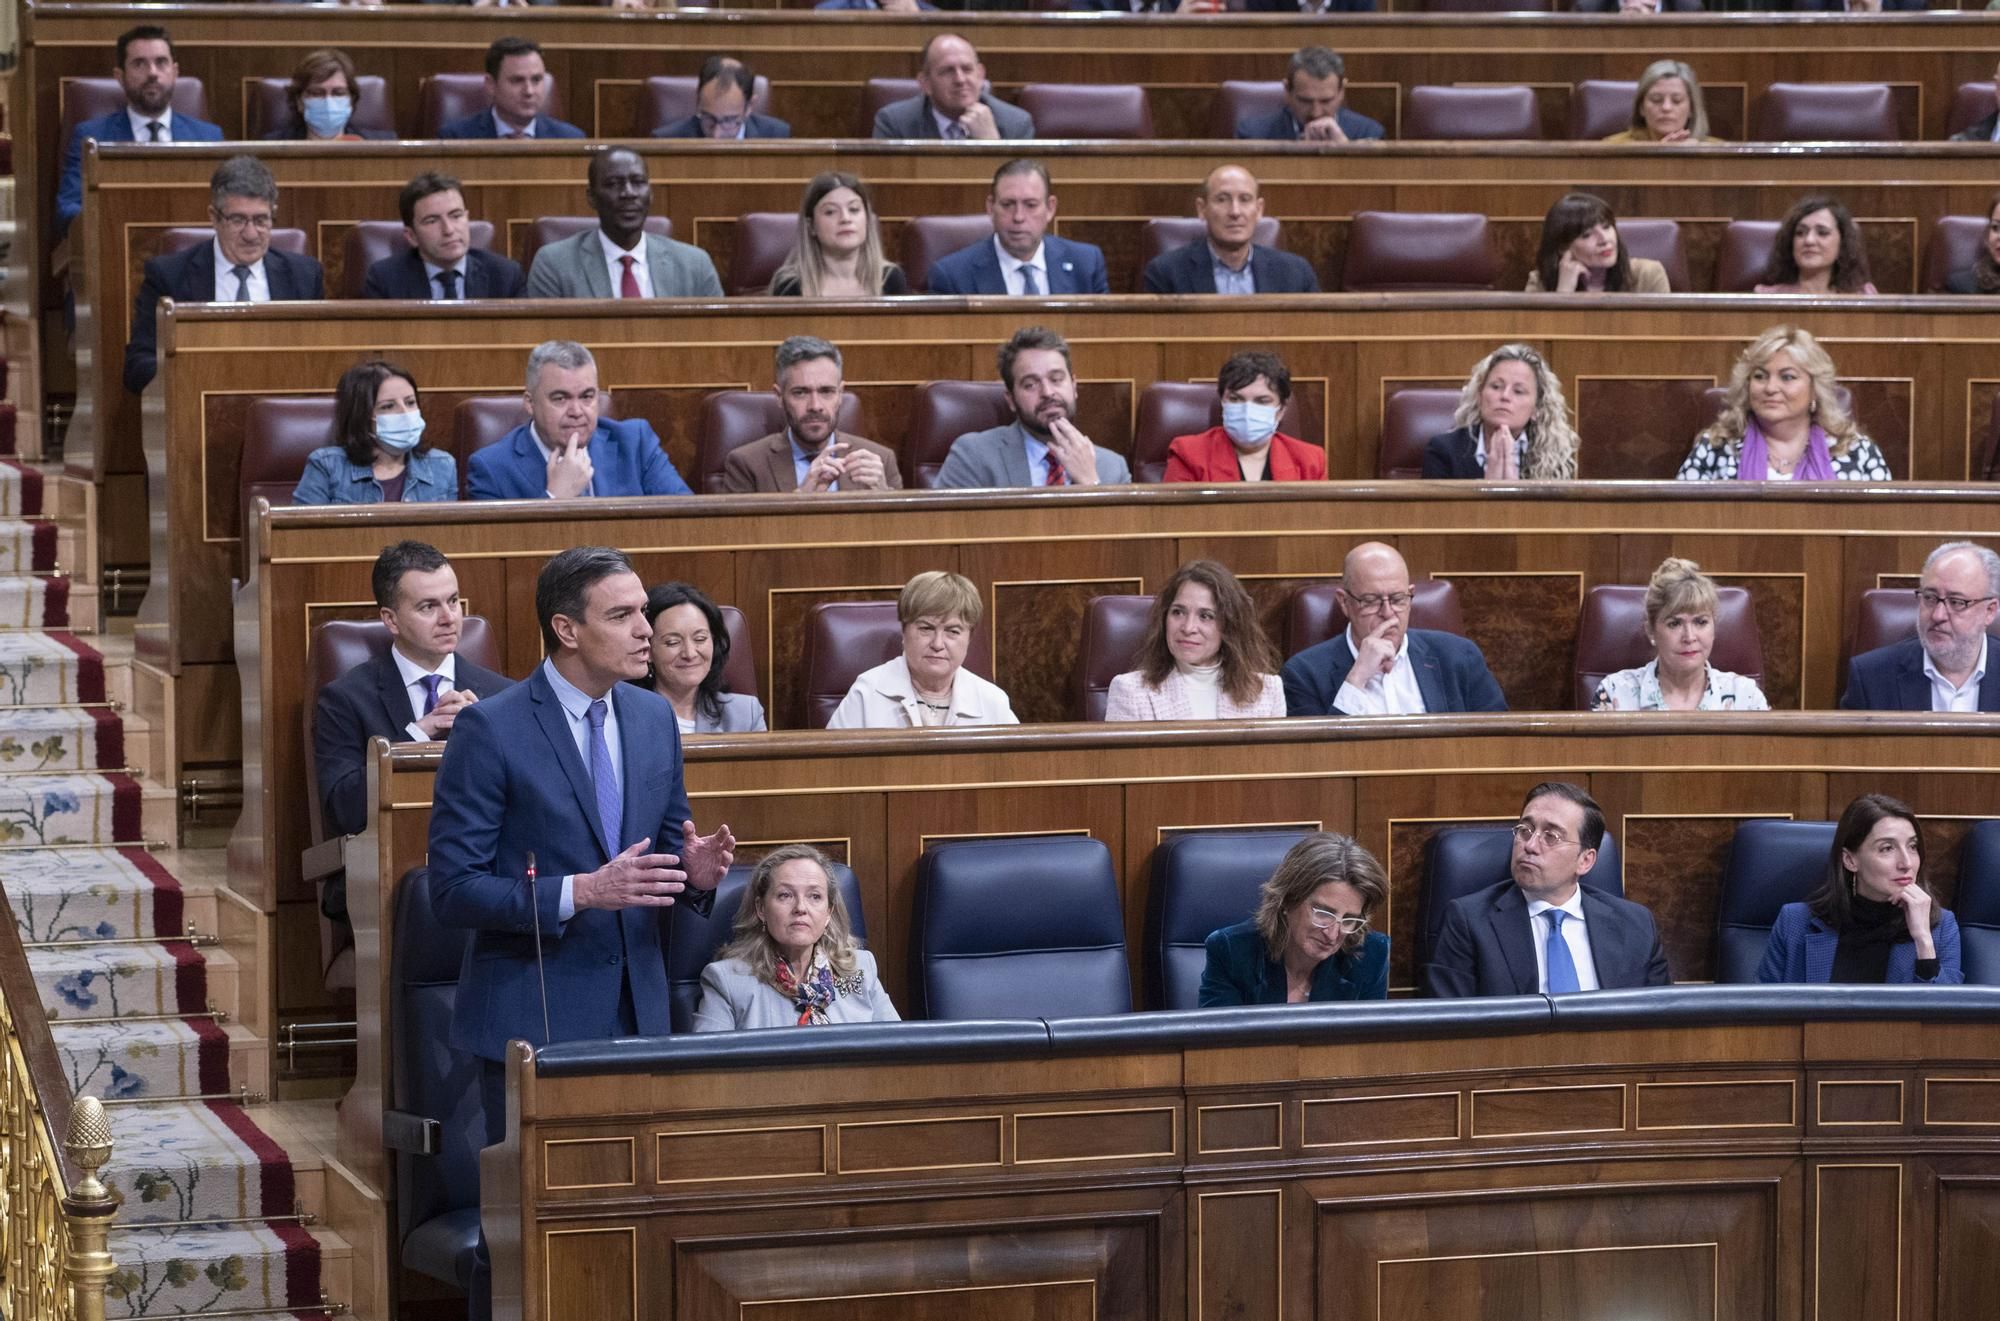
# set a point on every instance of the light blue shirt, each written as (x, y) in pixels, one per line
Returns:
(1229, 280)
(576, 709)
(802, 460)
(1038, 461)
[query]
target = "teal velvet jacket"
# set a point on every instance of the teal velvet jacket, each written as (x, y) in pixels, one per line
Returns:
(1240, 971)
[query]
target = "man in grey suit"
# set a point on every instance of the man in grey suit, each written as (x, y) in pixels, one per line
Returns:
(619, 259)
(1041, 446)
(955, 103)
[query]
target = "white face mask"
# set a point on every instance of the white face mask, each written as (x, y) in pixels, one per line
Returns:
(1251, 426)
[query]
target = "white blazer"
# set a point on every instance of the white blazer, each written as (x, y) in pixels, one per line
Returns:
(732, 998)
(885, 698)
(1131, 698)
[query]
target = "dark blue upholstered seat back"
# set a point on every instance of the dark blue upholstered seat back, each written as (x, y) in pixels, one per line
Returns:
(1771, 864)
(1202, 882)
(1460, 860)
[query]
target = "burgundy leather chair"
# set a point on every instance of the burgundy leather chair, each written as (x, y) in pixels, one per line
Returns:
(731, 419)
(554, 229)
(1159, 236)
(843, 638)
(1660, 241)
(927, 238)
(1971, 103)
(1599, 107)
(671, 98)
(1417, 251)
(370, 241)
(1169, 410)
(1113, 628)
(1314, 613)
(1239, 99)
(1088, 110)
(268, 105)
(1955, 244)
(1827, 112)
(1746, 247)
(941, 413)
(1986, 463)
(1611, 636)
(763, 240)
(443, 97)
(1887, 615)
(479, 421)
(1410, 417)
(878, 92)
(1471, 114)
(279, 432)
(182, 237)
(87, 98)
(739, 672)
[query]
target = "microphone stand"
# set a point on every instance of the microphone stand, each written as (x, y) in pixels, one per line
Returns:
(541, 976)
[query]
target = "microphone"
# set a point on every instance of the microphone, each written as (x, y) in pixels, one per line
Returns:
(541, 976)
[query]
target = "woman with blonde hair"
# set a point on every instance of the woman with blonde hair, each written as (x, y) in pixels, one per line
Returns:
(1309, 939)
(839, 250)
(1667, 107)
(1512, 423)
(1681, 604)
(791, 960)
(1204, 657)
(1784, 420)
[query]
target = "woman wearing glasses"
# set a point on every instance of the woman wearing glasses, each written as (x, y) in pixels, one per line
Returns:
(1681, 604)
(1783, 420)
(1309, 938)
(1512, 423)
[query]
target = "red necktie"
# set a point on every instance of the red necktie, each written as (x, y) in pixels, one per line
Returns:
(1057, 477)
(628, 287)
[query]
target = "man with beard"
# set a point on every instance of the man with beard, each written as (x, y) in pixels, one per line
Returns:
(1042, 445)
(1947, 666)
(617, 258)
(810, 454)
(147, 73)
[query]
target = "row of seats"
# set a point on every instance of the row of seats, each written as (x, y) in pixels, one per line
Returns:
(1786, 112)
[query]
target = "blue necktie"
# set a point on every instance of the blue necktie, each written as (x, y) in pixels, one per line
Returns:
(430, 683)
(1562, 968)
(610, 806)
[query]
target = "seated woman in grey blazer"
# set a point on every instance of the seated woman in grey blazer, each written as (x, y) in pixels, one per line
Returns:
(791, 960)
(690, 650)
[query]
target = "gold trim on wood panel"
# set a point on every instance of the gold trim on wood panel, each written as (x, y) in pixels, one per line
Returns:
(1819, 1172)
(1173, 1130)
(1640, 1088)
(660, 1137)
(1625, 853)
(631, 1161)
(999, 1143)
(1714, 1273)
(549, 1284)
(1805, 617)
(1972, 427)
(1819, 1103)
(993, 623)
(771, 618)
(1160, 833)
(1624, 1108)
(1203, 1149)
(1957, 1123)
(924, 841)
(1458, 1116)
(1200, 1215)
(743, 1307)
(1389, 853)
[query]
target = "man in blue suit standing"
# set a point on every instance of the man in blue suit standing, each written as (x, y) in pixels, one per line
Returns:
(147, 72)
(1315, 108)
(517, 82)
(441, 262)
(1949, 664)
(565, 450)
(1228, 259)
(1378, 664)
(560, 813)
(1022, 257)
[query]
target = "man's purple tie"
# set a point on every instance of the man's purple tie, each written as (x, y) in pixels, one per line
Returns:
(430, 683)
(610, 805)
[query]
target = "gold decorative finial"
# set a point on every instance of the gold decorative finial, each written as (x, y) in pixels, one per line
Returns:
(89, 1145)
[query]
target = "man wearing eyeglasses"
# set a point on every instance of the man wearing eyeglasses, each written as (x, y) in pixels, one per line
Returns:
(1947, 665)
(1378, 665)
(238, 266)
(722, 96)
(1543, 932)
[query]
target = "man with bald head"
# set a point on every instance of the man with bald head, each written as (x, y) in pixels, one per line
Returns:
(1378, 665)
(1948, 665)
(955, 103)
(1227, 259)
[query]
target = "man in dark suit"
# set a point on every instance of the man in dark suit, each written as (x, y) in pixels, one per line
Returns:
(1315, 108)
(147, 72)
(441, 262)
(1022, 257)
(1984, 129)
(572, 776)
(810, 454)
(1378, 664)
(956, 103)
(722, 95)
(1543, 933)
(238, 266)
(1948, 665)
(1227, 259)
(517, 83)
(565, 450)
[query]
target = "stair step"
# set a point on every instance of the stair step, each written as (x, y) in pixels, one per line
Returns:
(114, 981)
(45, 601)
(166, 1271)
(101, 894)
(80, 808)
(158, 1058)
(51, 739)
(52, 669)
(199, 1160)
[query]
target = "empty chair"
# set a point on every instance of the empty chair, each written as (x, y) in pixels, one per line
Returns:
(1972, 109)
(1240, 99)
(1484, 114)
(843, 638)
(1202, 881)
(1018, 928)
(1599, 107)
(1985, 464)
(927, 238)
(1314, 614)
(1976, 905)
(942, 412)
(1410, 417)
(370, 241)
(1169, 410)
(1088, 110)
(1955, 244)
(1771, 864)
(1827, 112)
(671, 98)
(269, 106)
(1161, 235)
(1417, 251)
(879, 92)
(1611, 636)
(443, 97)
(693, 940)
(279, 432)
(1462, 860)
(1660, 241)
(763, 240)
(733, 418)
(1745, 251)
(554, 229)
(1113, 628)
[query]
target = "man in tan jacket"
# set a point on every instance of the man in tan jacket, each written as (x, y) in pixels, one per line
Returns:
(810, 454)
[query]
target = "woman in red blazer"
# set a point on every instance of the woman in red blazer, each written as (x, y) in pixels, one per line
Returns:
(1247, 446)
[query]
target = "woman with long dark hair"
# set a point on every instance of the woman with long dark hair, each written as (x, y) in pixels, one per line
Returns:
(378, 452)
(1204, 656)
(1582, 252)
(690, 651)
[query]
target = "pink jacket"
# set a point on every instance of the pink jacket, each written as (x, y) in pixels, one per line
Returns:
(1131, 699)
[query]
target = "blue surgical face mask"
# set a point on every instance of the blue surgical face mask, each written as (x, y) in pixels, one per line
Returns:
(399, 432)
(1249, 425)
(327, 116)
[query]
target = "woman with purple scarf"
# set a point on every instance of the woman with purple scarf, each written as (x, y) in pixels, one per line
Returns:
(1784, 420)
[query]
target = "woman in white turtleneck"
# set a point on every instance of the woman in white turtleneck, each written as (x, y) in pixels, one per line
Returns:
(1204, 657)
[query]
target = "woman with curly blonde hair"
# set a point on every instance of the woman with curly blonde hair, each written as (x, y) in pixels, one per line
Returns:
(1512, 423)
(1783, 419)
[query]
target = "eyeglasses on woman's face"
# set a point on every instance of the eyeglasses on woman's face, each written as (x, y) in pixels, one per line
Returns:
(1326, 917)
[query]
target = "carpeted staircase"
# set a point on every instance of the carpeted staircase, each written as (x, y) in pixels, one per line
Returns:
(140, 999)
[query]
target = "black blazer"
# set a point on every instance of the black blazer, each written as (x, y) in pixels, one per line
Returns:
(1279, 126)
(1892, 678)
(1981, 131)
(760, 126)
(1190, 270)
(487, 275)
(1454, 454)
(1487, 945)
(189, 277)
